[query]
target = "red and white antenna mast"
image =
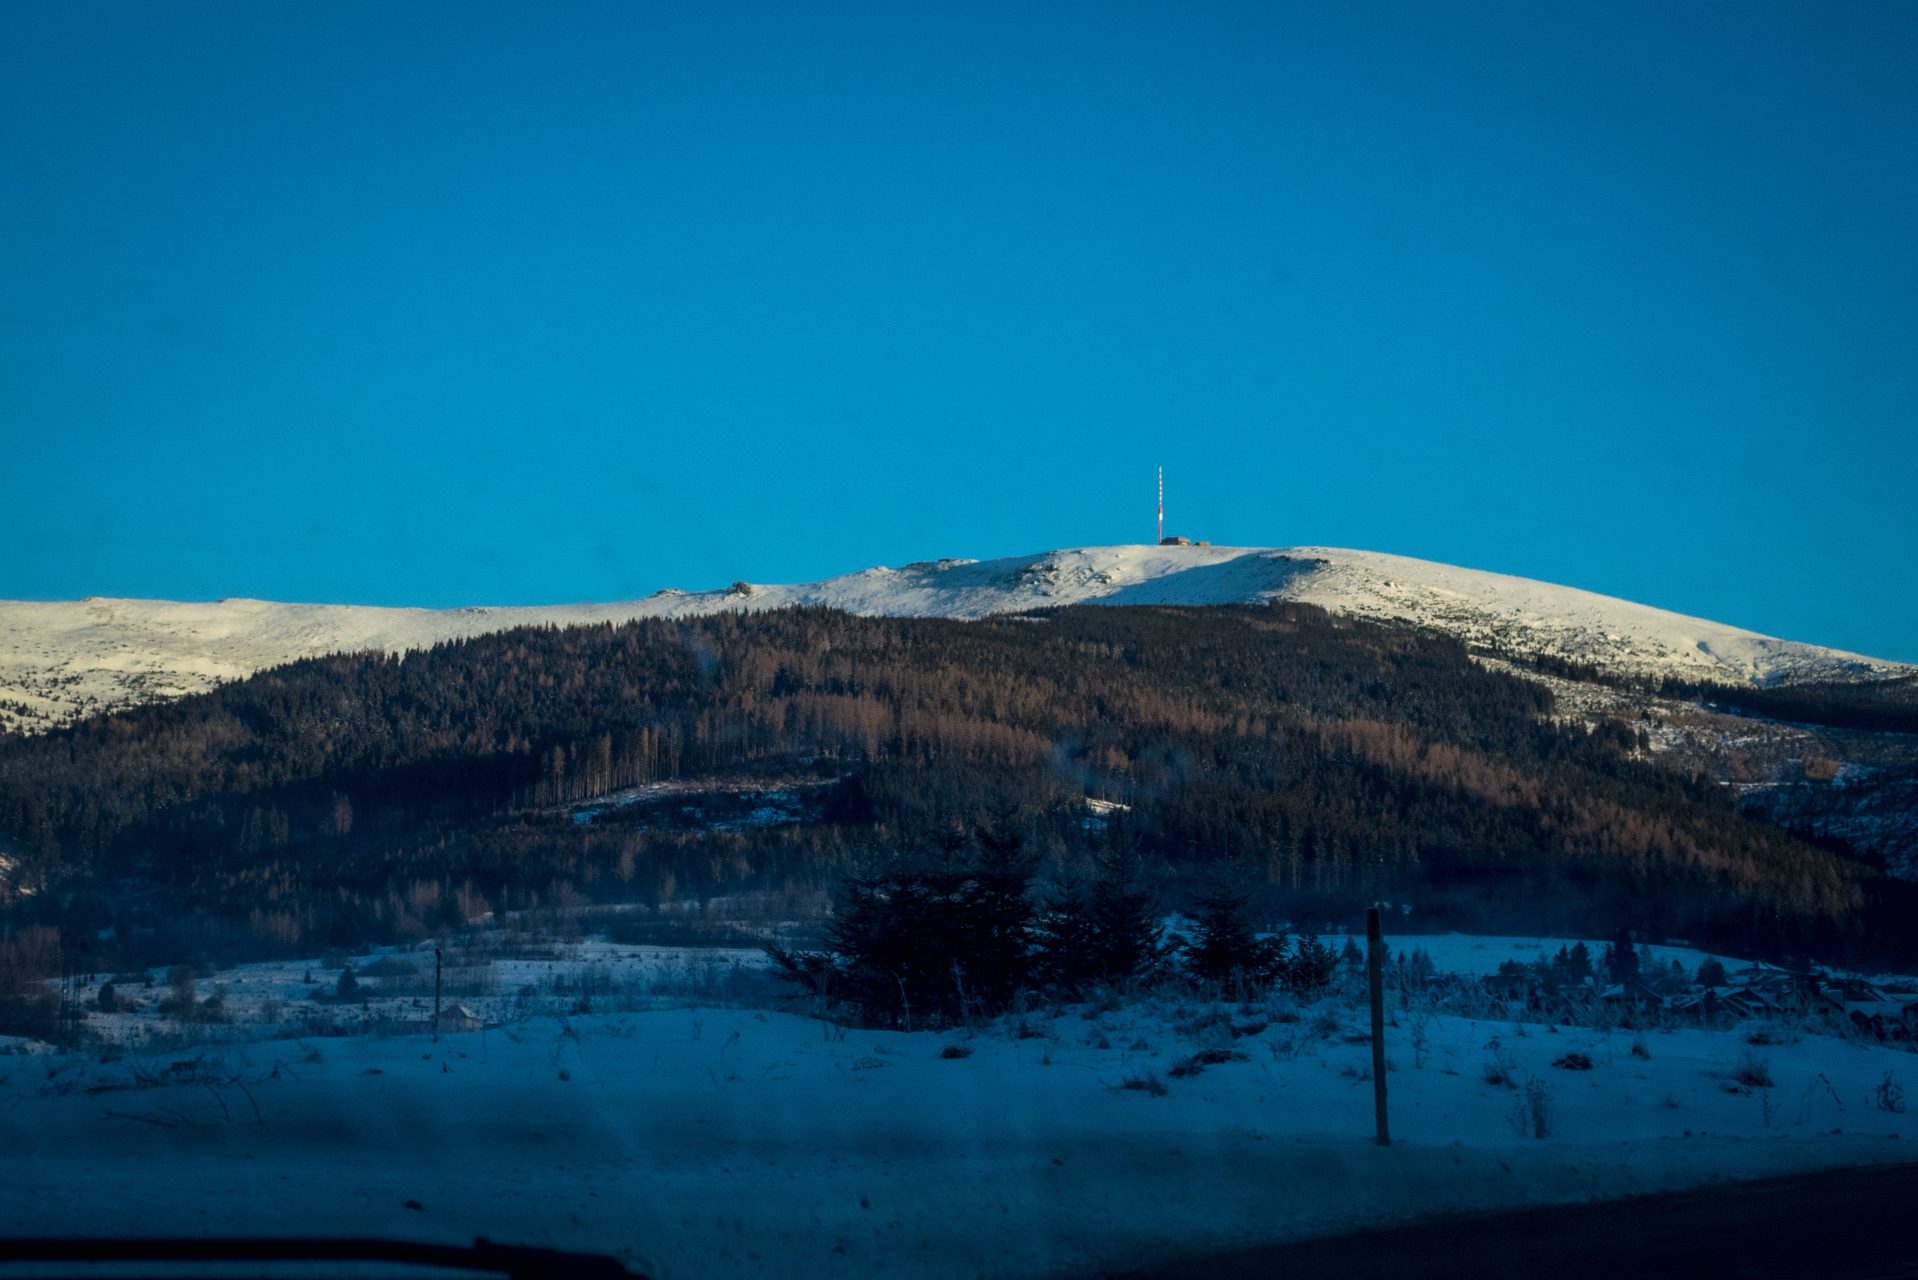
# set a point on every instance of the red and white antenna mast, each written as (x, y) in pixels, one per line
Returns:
(1161, 537)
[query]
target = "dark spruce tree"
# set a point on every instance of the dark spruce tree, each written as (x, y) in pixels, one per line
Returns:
(996, 916)
(1102, 929)
(924, 939)
(1125, 913)
(1065, 942)
(1224, 947)
(1310, 967)
(1621, 959)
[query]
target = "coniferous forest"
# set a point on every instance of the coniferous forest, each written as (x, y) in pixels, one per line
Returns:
(1321, 764)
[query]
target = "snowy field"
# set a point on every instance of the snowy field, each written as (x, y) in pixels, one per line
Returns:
(503, 983)
(697, 1141)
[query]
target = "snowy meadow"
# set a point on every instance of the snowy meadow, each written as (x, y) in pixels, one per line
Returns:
(671, 1107)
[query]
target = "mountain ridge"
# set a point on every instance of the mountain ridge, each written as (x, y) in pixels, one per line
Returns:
(63, 659)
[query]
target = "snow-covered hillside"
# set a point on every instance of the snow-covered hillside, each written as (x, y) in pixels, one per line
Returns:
(733, 1143)
(68, 658)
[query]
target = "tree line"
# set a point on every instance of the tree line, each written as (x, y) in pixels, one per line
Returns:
(961, 930)
(1876, 706)
(1338, 763)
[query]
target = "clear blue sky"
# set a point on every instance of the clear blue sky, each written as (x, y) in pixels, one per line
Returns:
(466, 303)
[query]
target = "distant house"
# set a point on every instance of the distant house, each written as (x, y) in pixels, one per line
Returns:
(1700, 1003)
(460, 1018)
(1869, 1010)
(1633, 992)
(1849, 991)
(1744, 1002)
(1667, 985)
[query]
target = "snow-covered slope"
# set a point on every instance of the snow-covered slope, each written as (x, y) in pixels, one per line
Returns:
(734, 1144)
(67, 658)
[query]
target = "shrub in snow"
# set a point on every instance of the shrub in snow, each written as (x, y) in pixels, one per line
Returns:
(1534, 1110)
(1811, 1096)
(181, 1003)
(1147, 1083)
(1420, 1022)
(1310, 968)
(1414, 972)
(1500, 1066)
(1200, 1024)
(1890, 1094)
(1204, 1058)
(1753, 1071)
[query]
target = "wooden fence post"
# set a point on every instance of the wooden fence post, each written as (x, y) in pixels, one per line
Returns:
(436, 995)
(1375, 976)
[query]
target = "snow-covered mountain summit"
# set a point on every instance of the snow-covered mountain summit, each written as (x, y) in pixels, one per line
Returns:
(67, 658)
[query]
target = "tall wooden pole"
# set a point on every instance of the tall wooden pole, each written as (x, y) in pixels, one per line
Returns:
(436, 995)
(1375, 976)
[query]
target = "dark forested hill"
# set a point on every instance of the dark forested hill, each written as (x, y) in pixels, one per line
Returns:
(1876, 706)
(367, 796)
